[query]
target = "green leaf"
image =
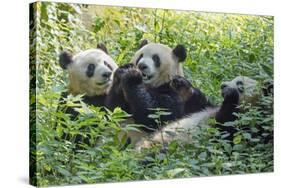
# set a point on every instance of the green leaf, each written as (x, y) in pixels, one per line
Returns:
(237, 139)
(63, 171)
(247, 136)
(153, 116)
(175, 172)
(202, 155)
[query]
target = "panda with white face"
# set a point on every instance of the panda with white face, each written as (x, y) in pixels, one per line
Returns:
(234, 92)
(158, 63)
(90, 73)
(146, 86)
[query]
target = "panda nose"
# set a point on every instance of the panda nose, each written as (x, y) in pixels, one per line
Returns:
(142, 66)
(106, 74)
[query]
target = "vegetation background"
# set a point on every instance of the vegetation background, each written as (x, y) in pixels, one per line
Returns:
(219, 47)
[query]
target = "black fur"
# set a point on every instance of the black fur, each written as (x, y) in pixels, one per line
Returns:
(143, 43)
(90, 70)
(156, 60)
(195, 101)
(227, 110)
(180, 52)
(141, 99)
(115, 97)
(65, 58)
(102, 47)
(139, 58)
(230, 106)
(268, 88)
(108, 65)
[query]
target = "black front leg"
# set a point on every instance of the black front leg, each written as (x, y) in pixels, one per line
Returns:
(115, 97)
(227, 110)
(138, 98)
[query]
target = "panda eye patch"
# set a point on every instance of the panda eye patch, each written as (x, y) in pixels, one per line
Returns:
(239, 83)
(139, 58)
(90, 70)
(156, 60)
(240, 86)
(108, 65)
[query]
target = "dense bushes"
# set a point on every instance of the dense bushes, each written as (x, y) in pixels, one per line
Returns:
(220, 47)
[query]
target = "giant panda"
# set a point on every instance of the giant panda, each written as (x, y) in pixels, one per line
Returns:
(146, 86)
(240, 89)
(90, 74)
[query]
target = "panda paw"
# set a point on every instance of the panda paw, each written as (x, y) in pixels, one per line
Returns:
(127, 66)
(131, 78)
(179, 82)
(119, 73)
(122, 70)
(230, 95)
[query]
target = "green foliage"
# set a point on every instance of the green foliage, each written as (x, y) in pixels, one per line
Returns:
(219, 46)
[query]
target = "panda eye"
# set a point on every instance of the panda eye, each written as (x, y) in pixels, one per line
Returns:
(90, 70)
(139, 58)
(239, 83)
(108, 65)
(240, 86)
(156, 60)
(223, 86)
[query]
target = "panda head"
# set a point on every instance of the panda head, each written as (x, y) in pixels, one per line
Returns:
(158, 63)
(90, 71)
(246, 88)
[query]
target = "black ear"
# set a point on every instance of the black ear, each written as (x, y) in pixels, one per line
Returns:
(102, 47)
(180, 52)
(65, 59)
(268, 88)
(143, 43)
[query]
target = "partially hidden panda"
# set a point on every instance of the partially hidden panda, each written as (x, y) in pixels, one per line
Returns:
(239, 89)
(146, 85)
(90, 74)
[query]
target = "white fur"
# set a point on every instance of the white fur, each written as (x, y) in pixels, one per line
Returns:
(182, 130)
(79, 83)
(169, 64)
(250, 93)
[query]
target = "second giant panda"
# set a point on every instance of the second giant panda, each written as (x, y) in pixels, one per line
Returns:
(234, 92)
(146, 86)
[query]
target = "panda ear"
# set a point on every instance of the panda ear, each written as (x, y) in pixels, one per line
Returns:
(180, 52)
(102, 47)
(267, 88)
(65, 59)
(143, 43)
